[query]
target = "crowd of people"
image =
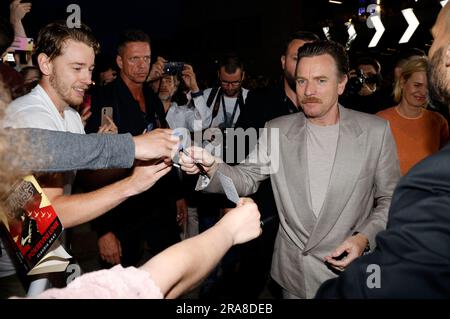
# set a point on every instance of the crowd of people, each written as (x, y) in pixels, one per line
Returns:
(324, 175)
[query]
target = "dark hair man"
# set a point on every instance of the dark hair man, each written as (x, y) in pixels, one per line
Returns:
(262, 106)
(363, 92)
(412, 256)
(333, 171)
(152, 215)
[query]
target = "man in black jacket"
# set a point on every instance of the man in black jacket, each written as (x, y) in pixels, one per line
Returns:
(412, 258)
(266, 104)
(151, 216)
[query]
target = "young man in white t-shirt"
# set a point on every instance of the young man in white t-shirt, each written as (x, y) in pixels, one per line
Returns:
(66, 60)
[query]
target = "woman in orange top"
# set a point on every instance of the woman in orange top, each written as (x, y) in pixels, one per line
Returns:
(417, 131)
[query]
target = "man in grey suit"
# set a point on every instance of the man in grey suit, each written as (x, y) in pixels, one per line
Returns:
(333, 176)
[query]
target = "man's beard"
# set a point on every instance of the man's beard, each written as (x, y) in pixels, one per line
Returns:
(439, 86)
(290, 80)
(63, 91)
(164, 97)
(231, 93)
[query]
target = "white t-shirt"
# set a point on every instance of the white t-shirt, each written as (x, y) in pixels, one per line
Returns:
(36, 110)
(230, 103)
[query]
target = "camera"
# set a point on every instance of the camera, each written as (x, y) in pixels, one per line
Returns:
(356, 83)
(173, 68)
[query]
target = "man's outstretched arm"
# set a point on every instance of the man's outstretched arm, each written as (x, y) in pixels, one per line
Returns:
(52, 151)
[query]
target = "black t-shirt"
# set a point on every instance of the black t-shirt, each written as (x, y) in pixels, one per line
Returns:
(370, 104)
(127, 114)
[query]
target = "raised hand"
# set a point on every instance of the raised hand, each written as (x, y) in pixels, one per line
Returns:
(189, 78)
(158, 144)
(242, 222)
(18, 10)
(108, 128)
(157, 69)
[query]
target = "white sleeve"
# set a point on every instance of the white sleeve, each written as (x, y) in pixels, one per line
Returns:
(194, 119)
(202, 115)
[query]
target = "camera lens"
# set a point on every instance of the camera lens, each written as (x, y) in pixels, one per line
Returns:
(354, 85)
(173, 68)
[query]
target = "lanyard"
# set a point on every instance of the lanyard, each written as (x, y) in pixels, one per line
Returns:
(225, 117)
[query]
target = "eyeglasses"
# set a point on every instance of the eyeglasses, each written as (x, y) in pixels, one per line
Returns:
(136, 59)
(232, 83)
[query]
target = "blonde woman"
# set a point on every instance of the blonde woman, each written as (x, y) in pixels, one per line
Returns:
(417, 131)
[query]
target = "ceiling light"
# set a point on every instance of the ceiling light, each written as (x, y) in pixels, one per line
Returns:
(413, 23)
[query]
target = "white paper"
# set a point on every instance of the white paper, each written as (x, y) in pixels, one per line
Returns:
(228, 187)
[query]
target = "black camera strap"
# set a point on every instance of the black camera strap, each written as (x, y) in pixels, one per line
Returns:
(229, 122)
(216, 95)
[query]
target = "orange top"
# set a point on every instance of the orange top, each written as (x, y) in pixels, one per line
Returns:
(416, 138)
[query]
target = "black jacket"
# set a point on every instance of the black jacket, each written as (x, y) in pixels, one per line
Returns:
(158, 203)
(263, 105)
(127, 114)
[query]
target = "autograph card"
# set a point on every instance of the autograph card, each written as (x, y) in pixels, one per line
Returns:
(228, 187)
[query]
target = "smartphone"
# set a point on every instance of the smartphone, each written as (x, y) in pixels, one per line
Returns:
(106, 111)
(23, 44)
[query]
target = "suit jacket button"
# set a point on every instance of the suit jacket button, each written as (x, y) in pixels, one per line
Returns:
(304, 253)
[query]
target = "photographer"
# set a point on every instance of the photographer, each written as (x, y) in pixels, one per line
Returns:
(194, 115)
(227, 100)
(363, 89)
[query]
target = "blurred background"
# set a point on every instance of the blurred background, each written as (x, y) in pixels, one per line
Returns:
(200, 31)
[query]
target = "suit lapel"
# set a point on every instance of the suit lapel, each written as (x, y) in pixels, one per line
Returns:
(345, 172)
(297, 174)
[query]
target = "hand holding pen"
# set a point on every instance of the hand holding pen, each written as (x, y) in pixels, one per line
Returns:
(196, 160)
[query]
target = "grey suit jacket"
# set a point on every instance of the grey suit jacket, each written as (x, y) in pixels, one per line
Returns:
(364, 175)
